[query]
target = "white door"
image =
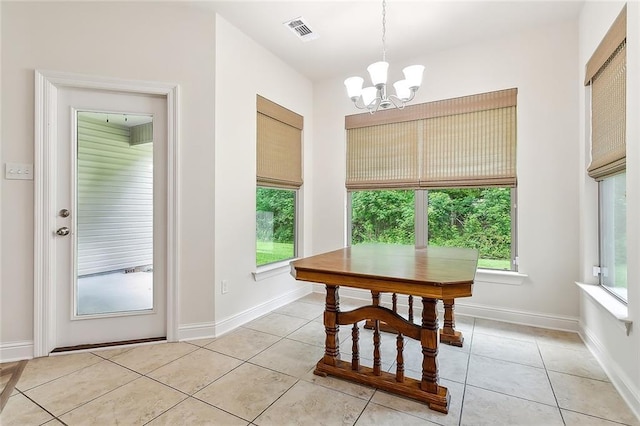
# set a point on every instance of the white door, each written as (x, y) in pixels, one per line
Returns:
(111, 204)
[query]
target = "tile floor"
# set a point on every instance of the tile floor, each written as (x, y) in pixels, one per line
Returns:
(261, 374)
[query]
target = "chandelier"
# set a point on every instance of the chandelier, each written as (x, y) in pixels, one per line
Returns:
(374, 97)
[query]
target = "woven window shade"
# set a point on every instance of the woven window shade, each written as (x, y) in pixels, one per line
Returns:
(467, 141)
(608, 117)
(472, 149)
(279, 146)
(383, 156)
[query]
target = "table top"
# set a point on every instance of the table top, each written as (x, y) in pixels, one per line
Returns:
(438, 272)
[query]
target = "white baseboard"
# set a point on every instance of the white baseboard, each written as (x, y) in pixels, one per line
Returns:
(231, 323)
(196, 331)
(623, 384)
(534, 319)
(217, 329)
(16, 351)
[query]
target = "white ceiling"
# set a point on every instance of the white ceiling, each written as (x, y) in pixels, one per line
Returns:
(350, 31)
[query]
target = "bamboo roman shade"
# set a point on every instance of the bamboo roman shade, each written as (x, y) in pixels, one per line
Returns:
(279, 145)
(461, 142)
(606, 73)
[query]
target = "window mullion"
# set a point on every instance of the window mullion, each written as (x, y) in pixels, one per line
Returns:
(421, 219)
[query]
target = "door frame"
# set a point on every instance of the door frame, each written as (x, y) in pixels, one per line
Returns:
(47, 84)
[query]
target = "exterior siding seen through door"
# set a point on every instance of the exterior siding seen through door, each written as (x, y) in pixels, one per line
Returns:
(115, 199)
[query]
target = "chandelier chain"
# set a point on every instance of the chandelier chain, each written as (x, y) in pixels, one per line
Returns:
(384, 30)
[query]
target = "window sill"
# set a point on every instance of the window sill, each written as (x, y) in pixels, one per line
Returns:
(272, 269)
(612, 305)
(500, 277)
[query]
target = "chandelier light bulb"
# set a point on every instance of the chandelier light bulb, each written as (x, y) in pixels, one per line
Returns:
(413, 75)
(378, 73)
(354, 87)
(402, 90)
(369, 95)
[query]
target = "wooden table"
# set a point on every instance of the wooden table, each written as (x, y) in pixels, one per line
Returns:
(431, 273)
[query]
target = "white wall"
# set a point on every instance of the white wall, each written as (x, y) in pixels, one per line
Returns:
(542, 65)
(215, 66)
(170, 42)
(605, 335)
(243, 70)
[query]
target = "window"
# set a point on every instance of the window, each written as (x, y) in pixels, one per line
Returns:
(613, 234)
(606, 76)
(279, 178)
(275, 225)
(441, 173)
(477, 218)
(383, 217)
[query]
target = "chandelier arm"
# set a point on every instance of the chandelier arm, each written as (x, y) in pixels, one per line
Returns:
(397, 102)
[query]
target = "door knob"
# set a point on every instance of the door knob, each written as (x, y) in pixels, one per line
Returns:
(63, 231)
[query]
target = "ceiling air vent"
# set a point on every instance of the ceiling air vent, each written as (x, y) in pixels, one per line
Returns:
(301, 29)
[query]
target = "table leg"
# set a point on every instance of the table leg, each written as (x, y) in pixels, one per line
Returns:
(332, 348)
(448, 334)
(429, 342)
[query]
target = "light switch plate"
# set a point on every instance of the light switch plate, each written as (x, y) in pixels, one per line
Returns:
(18, 171)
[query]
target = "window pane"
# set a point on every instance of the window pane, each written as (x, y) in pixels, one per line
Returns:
(275, 225)
(613, 234)
(383, 217)
(477, 218)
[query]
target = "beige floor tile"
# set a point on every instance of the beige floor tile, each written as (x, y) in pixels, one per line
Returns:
(578, 362)
(20, 411)
(317, 298)
(246, 391)
(302, 310)
(418, 409)
(517, 380)
(110, 353)
(243, 343)
(201, 342)
(557, 337)
(312, 333)
(507, 350)
(463, 323)
(504, 329)
(452, 362)
(77, 388)
(194, 412)
(195, 370)
(54, 422)
(344, 386)
(375, 415)
(309, 404)
(43, 370)
(276, 324)
(289, 357)
(592, 397)
(144, 359)
(572, 418)
(483, 407)
(135, 403)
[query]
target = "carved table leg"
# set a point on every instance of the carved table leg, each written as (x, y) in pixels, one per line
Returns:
(448, 334)
(429, 342)
(332, 349)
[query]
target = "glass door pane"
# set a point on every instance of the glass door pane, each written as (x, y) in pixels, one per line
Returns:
(114, 220)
